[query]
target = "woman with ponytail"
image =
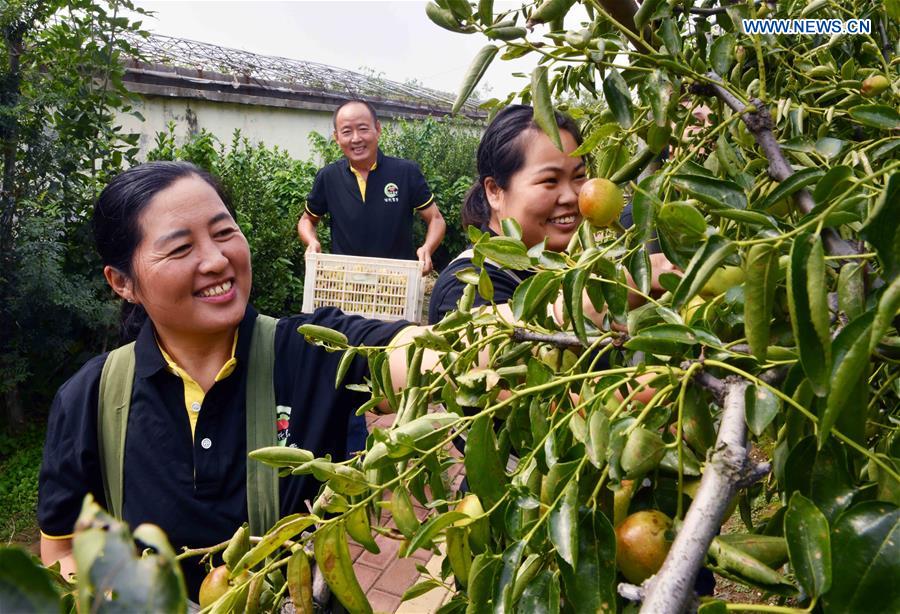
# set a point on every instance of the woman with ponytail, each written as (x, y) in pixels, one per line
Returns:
(521, 175)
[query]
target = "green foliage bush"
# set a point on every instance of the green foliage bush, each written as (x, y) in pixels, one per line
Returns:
(60, 125)
(20, 462)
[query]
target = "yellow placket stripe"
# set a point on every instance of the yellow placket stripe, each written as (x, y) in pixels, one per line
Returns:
(360, 181)
(193, 393)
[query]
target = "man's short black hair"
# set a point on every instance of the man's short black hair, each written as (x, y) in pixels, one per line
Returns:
(351, 101)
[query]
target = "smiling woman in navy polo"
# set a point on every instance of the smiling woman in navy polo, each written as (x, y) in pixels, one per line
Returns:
(170, 244)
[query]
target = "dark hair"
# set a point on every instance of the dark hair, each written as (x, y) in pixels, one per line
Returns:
(116, 220)
(352, 101)
(501, 154)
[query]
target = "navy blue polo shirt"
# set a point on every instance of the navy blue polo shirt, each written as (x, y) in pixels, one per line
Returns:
(196, 489)
(448, 289)
(382, 225)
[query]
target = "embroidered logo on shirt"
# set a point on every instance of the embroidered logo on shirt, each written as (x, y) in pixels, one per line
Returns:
(391, 191)
(282, 424)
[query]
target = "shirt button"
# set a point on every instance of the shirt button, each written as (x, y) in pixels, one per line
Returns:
(195, 406)
(206, 444)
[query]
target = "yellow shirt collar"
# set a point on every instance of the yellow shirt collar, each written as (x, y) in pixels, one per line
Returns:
(193, 393)
(360, 181)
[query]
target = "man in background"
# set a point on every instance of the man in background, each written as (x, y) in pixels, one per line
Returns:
(370, 197)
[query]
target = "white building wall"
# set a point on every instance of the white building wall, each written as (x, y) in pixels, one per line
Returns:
(288, 128)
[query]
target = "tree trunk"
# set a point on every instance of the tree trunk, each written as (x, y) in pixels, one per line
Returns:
(671, 590)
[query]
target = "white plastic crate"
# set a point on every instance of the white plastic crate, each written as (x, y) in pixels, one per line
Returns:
(380, 288)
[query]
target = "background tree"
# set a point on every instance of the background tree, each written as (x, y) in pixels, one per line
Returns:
(60, 86)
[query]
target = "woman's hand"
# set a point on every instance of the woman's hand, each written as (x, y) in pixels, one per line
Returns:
(53, 550)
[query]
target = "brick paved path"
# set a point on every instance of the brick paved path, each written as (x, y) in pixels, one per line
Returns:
(383, 576)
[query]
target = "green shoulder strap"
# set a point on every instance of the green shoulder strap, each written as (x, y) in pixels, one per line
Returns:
(262, 481)
(115, 399)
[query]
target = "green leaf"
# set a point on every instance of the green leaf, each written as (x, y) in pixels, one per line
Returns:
(832, 183)
(573, 291)
(511, 228)
(728, 158)
(701, 268)
(486, 11)
(809, 545)
(721, 54)
(544, 114)
(663, 339)
(642, 16)
(430, 530)
(744, 566)
(506, 34)
(715, 606)
(789, 186)
(716, 193)
(286, 528)
(598, 437)
(343, 366)
(852, 289)
(591, 585)
(882, 229)
(532, 296)
(476, 71)
(321, 334)
(505, 251)
(668, 31)
(752, 218)
(761, 407)
(680, 227)
(638, 264)
(613, 286)
(485, 470)
(761, 280)
(658, 138)
(768, 549)
(618, 97)
(850, 350)
(564, 524)
(820, 475)
(886, 312)
(644, 205)
(809, 311)
(595, 137)
(866, 545)
(698, 427)
(485, 567)
(444, 18)
(879, 116)
(550, 10)
(541, 595)
(485, 286)
(461, 9)
(643, 451)
(657, 89)
(503, 589)
(25, 586)
(419, 589)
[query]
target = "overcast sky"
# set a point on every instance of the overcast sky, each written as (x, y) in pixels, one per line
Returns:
(394, 38)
